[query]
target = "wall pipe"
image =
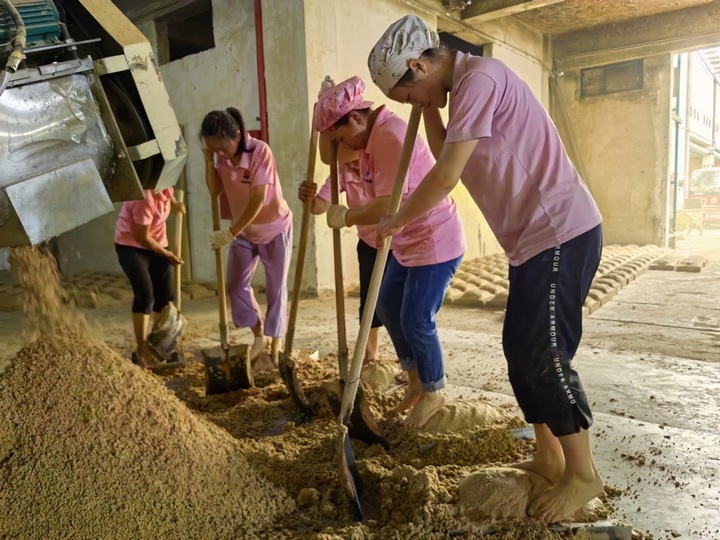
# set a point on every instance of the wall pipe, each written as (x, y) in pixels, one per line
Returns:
(262, 89)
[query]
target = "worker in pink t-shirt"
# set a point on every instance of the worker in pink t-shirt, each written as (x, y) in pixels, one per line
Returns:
(503, 145)
(261, 228)
(357, 196)
(352, 185)
(142, 247)
(426, 253)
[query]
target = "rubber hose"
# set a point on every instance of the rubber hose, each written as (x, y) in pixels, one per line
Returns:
(18, 42)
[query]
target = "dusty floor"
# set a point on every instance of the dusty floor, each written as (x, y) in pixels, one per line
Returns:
(649, 362)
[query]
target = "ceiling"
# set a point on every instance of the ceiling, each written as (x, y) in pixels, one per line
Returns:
(560, 16)
(572, 15)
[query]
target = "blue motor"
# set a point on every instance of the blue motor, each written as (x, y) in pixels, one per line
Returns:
(41, 19)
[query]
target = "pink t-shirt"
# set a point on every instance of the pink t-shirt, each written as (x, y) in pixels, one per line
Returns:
(436, 237)
(358, 194)
(153, 211)
(256, 168)
(519, 174)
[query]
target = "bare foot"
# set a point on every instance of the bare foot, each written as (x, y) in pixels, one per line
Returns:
(263, 362)
(412, 394)
(570, 494)
(550, 468)
(258, 346)
(401, 377)
(368, 361)
(428, 404)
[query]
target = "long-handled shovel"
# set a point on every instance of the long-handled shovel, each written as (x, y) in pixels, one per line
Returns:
(170, 325)
(362, 425)
(286, 364)
(226, 368)
(349, 469)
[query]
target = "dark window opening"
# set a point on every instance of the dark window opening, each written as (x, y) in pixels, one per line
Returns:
(186, 31)
(611, 78)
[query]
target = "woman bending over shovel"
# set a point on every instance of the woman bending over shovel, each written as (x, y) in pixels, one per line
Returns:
(502, 144)
(425, 255)
(142, 247)
(261, 228)
(350, 183)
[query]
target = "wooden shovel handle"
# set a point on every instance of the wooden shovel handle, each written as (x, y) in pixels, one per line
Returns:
(374, 288)
(300, 263)
(337, 255)
(219, 266)
(180, 198)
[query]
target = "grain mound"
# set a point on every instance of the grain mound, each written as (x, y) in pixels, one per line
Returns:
(92, 445)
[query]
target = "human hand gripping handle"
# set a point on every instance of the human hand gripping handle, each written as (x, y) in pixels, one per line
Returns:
(386, 228)
(337, 216)
(221, 238)
(307, 191)
(174, 259)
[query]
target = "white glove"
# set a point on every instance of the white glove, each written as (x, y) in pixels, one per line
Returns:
(336, 216)
(221, 238)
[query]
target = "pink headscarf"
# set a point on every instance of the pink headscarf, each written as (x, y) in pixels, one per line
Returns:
(334, 103)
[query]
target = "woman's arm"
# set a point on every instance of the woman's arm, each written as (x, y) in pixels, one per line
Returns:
(319, 206)
(308, 190)
(257, 198)
(436, 185)
(141, 233)
(369, 214)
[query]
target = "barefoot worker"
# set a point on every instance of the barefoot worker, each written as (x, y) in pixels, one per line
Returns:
(261, 229)
(142, 247)
(503, 145)
(425, 254)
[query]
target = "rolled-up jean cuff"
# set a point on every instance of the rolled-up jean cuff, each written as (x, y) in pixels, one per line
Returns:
(408, 364)
(433, 386)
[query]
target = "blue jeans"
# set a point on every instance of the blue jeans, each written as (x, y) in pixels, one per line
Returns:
(409, 299)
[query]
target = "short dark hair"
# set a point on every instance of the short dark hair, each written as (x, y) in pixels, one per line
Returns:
(224, 125)
(345, 119)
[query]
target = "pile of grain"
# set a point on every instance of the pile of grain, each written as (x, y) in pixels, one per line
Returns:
(92, 447)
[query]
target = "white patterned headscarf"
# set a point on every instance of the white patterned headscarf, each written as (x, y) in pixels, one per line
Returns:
(406, 39)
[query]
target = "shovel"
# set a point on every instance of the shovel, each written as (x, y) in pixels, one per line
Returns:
(286, 364)
(170, 325)
(349, 470)
(226, 368)
(362, 425)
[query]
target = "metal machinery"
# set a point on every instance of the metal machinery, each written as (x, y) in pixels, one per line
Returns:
(85, 119)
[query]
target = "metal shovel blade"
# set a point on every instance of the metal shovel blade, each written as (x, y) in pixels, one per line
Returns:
(288, 374)
(362, 425)
(349, 474)
(227, 370)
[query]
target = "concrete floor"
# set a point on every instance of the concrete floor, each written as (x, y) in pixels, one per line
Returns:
(650, 362)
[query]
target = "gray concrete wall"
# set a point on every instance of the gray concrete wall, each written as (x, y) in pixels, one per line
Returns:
(622, 145)
(288, 113)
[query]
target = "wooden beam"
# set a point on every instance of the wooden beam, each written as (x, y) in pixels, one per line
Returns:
(679, 31)
(488, 10)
